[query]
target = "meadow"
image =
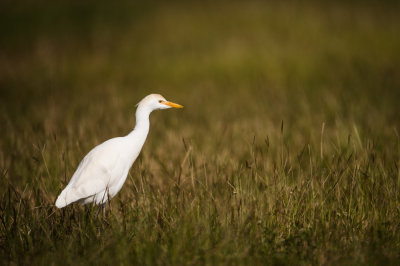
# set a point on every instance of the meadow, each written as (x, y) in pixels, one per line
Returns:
(287, 150)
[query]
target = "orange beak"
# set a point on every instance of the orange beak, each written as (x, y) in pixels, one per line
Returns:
(174, 105)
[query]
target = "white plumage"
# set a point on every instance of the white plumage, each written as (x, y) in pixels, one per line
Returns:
(103, 171)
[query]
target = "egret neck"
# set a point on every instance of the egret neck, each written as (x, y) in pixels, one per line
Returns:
(139, 133)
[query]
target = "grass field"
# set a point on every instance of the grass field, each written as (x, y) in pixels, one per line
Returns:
(287, 150)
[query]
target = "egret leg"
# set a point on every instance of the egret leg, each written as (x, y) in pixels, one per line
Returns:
(104, 214)
(102, 206)
(104, 210)
(97, 212)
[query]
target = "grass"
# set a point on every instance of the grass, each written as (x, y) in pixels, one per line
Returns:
(287, 151)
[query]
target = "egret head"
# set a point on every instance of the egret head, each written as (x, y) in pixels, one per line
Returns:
(156, 102)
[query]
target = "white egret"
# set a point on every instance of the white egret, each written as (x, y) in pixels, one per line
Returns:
(103, 171)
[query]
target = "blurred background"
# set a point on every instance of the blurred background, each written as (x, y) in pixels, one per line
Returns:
(75, 70)
(287, 74)
(230, 60)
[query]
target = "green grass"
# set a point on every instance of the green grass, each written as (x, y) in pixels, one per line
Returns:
(287, 150)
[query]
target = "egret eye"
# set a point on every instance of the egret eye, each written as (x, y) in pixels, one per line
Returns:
(160, 101)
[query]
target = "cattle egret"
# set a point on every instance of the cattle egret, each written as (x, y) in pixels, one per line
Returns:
(103, 171)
